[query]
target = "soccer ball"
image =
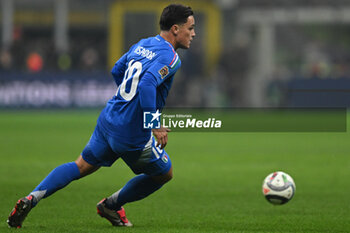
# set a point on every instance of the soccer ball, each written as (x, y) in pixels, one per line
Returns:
(278, 188)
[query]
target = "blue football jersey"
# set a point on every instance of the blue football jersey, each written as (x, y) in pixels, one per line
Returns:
(144, 76)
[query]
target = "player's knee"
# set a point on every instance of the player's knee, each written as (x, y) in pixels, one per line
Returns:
(168, 177)
(84, 167)
(165, 178)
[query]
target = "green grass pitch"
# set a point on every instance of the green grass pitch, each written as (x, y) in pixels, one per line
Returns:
(216, 186)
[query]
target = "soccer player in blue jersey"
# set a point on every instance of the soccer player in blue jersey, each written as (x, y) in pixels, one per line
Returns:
(144, 76)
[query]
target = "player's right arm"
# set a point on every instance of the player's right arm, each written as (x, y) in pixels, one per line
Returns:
(119, 69)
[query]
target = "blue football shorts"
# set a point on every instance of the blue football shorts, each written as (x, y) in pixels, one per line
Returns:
(103, 150)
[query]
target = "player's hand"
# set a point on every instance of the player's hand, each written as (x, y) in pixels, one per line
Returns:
(161, 135)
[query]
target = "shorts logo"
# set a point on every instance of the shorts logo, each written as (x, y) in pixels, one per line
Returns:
(165, 159)
(151, 120)
(164, 71)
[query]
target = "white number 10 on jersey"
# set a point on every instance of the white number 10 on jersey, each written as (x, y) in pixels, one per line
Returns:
(132, 74)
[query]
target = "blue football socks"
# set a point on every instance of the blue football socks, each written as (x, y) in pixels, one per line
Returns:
(57, 179)
(136, 189)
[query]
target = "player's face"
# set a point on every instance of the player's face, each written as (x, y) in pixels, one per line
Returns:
(185, 33)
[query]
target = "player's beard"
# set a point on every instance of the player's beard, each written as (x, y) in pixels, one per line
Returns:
(181, 46)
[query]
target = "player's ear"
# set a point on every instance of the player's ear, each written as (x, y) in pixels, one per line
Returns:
(175, 29)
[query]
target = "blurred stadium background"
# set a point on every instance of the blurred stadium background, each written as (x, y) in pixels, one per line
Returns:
(251, 53)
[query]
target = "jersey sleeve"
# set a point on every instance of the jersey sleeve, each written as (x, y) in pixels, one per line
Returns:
(162, 69)
(165, 67)
(148, 92)
(119, 69)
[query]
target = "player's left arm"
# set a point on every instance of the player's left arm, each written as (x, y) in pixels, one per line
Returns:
(153, 78)
(161, 135)
(148, 92)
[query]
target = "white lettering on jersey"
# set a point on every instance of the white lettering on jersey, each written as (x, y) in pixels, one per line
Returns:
(134, 77)
(145, 52)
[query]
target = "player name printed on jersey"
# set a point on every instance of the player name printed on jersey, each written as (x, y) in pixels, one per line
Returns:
(192, 123)
(145, 52)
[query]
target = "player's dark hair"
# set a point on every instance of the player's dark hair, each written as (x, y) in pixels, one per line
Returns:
(174, 14)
